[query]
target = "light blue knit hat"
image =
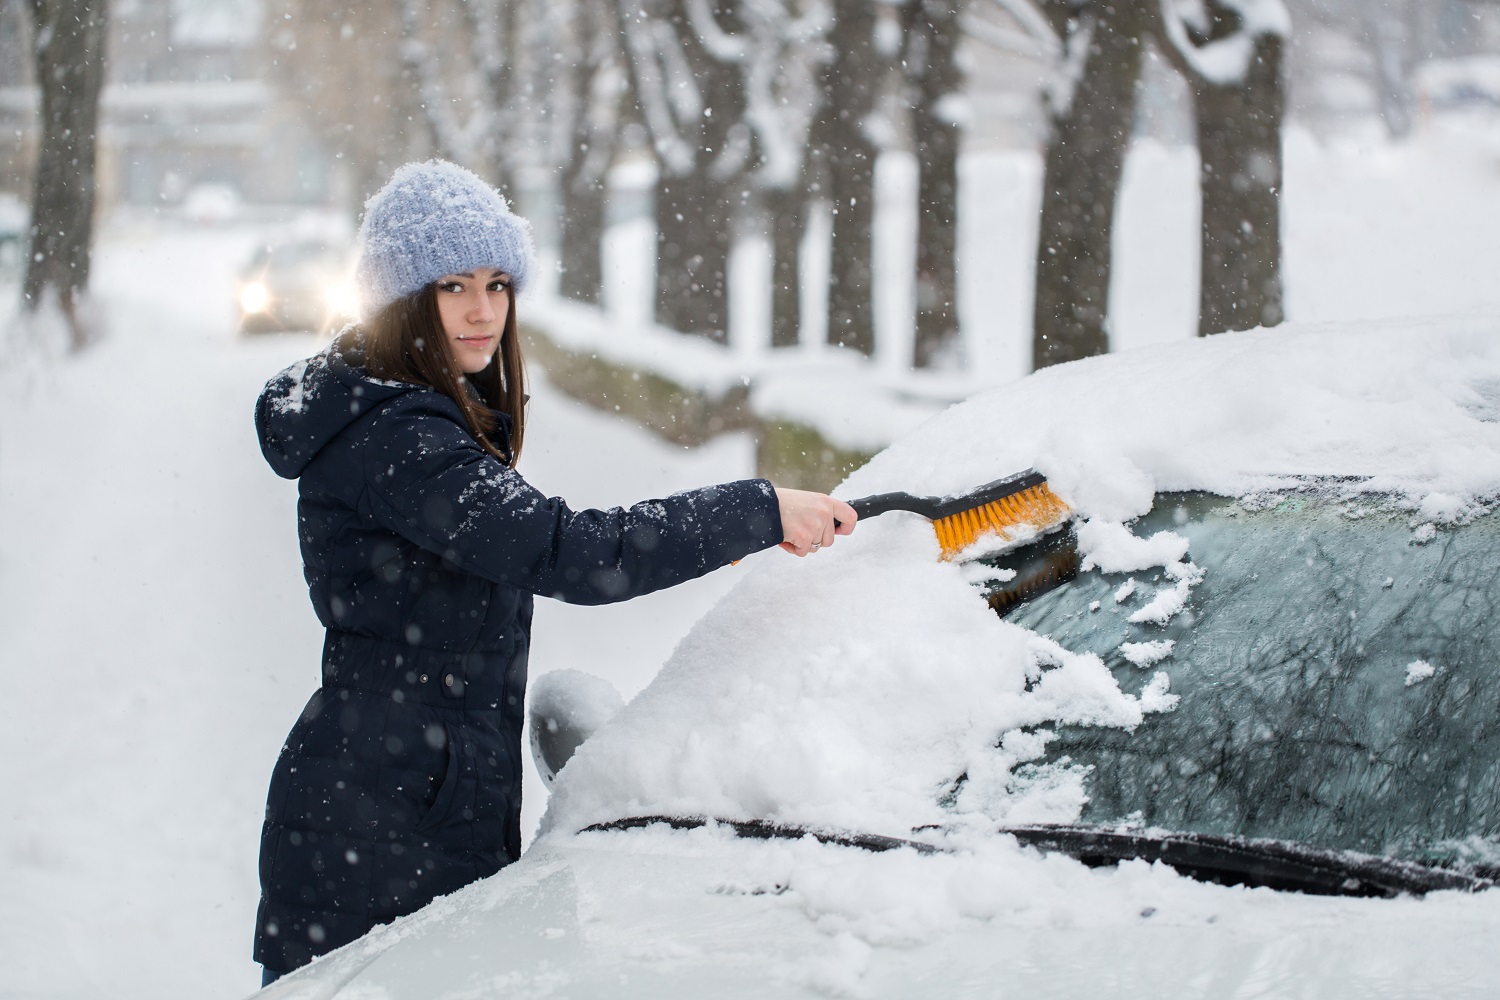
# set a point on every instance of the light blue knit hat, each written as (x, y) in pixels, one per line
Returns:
(431, 219)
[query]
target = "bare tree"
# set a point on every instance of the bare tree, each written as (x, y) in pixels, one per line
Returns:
(780, 56)
(397, 80)
(484, 70)
(68, 38)
(776, 57)
(693, 107)
(1230, 52)
(1393, 35)
(344, 69)
(1389, 28)
(844, 170)
(1092, 109)
(589, 103)
(931, 29)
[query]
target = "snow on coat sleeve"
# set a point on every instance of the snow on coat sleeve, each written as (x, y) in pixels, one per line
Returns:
(429, 481)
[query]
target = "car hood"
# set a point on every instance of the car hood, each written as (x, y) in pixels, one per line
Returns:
(657, 912)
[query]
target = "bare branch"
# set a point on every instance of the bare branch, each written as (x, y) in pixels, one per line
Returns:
(1221, 61)
(720, 44)
(1036, 25)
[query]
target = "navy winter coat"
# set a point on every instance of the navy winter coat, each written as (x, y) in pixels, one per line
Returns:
(401, 781)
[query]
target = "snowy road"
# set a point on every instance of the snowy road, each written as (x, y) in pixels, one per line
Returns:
(158, 641)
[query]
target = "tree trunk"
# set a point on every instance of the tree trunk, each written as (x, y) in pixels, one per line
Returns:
(1239, 145)
(581, 233)
(595, 107)
(1388, 28)
(69, 37)
(787, 210)
(695, 212)
(692, 256)
(1085, 156)
(932, 33)
(846, 169)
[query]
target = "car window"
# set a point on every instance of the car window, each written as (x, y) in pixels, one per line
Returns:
(1339, 677)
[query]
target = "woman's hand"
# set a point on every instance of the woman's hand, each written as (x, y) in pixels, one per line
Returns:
(808, 520)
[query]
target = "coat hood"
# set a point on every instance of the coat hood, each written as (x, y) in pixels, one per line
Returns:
(310, 403)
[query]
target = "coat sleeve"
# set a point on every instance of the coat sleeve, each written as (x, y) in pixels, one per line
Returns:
(430, 482)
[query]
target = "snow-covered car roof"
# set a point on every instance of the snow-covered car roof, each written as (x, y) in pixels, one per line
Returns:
(848, 690)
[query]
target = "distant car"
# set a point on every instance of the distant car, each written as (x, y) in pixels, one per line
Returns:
(211, 204)
(300, 285)
(1253, 687)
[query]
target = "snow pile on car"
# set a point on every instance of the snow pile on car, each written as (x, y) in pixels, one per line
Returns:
(1410, 409)
(855, 689)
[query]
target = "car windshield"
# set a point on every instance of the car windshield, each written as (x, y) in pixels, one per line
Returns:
(1339, 675)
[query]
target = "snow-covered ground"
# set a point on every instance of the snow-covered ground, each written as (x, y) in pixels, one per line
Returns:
(154, 633)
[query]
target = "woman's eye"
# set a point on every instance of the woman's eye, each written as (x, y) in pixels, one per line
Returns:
(499, 285)
(450, 286)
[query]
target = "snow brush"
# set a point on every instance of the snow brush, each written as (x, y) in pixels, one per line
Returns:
(1006, 507)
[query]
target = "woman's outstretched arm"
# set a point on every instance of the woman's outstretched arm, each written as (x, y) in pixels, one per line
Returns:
(431, 483)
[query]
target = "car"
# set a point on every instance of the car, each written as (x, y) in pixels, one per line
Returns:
(302, 284)
(211, 203)
(1233, 730)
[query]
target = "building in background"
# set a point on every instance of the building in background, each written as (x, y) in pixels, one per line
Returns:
(191, 115)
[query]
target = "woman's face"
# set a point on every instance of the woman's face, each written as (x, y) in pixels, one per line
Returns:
(473, 307)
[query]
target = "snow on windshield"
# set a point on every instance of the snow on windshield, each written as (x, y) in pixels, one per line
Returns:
(852, 689)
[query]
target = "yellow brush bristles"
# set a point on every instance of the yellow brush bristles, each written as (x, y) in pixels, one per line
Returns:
(1035, 509)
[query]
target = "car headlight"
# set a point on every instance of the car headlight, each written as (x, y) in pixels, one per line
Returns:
(254, 298)
(342, 299)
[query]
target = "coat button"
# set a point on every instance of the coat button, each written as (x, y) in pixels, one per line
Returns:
(448, 680)
(423, 678)
(455, 685)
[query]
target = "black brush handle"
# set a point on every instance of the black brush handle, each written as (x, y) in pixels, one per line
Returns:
(882, 502)
(936, 508)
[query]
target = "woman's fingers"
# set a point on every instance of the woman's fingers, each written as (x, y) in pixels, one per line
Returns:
(844, 516)
(811, 521)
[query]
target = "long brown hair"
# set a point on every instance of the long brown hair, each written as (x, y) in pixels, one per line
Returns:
(405, 342)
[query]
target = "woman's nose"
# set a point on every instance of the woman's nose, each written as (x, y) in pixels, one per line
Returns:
(481, 311)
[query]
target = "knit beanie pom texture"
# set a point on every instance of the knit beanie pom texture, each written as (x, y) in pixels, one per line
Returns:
(431, 219)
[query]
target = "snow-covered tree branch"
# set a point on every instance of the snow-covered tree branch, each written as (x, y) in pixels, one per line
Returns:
(1222, 59)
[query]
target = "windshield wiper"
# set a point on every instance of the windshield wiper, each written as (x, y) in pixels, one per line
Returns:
(1274, 864)
(1227, 860)
(759, 829)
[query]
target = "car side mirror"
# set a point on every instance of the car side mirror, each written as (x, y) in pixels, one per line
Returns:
(567, 707)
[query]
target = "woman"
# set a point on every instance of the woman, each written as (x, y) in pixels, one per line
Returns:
(422, 549)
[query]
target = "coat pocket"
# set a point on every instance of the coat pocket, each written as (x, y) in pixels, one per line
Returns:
(442, 804)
